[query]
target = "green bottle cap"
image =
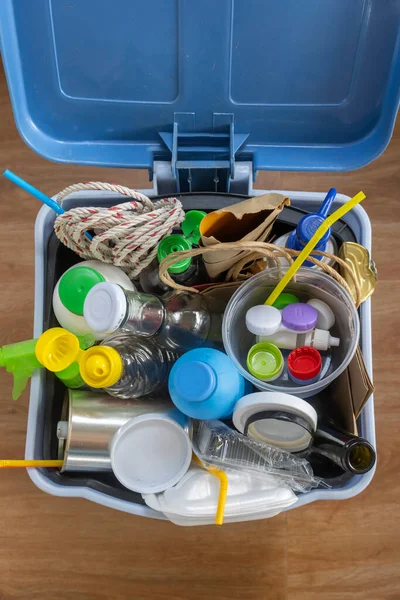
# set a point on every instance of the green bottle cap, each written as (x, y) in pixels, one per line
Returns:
(265, 361)
(191, 225)
(75, 285)
(285, 299)
(169, 245)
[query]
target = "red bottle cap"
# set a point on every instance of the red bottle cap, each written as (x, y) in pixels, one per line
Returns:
(304, 363)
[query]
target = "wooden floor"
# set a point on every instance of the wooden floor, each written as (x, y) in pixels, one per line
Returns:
(72, 549)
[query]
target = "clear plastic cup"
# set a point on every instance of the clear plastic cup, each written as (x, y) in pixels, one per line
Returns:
(309, 283)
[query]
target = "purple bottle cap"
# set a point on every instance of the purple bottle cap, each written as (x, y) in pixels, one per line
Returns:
(299, 317)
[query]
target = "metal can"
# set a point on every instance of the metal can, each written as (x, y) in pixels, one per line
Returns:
(89, 420)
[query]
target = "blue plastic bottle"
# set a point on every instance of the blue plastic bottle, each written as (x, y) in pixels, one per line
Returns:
(205, 384)
(306, 228)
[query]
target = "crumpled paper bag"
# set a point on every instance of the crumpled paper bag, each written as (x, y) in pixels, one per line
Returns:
(250, 220)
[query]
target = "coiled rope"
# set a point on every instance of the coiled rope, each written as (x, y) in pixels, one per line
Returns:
(126, 235)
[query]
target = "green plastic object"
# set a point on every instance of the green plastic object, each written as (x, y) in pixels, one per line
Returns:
(285, 299)
(265, 361)
(191, 225)
(71, 377)
(75, 285)
(169, 245)
(20, 360)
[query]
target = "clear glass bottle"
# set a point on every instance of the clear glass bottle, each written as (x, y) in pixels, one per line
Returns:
(126, 366)
(178, 321)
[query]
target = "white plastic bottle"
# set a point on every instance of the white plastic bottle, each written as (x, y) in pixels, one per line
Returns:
(72, 288)
(289, 340)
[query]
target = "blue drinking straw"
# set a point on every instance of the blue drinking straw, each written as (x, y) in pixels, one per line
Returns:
(38, 194)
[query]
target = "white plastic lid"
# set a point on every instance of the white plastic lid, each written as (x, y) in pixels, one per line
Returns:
(105, 307)
(150, 453)
(263, 319)
(326, 316)
(288, 434)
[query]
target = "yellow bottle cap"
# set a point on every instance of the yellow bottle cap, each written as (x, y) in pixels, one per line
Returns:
(56, 349)
(101, 366)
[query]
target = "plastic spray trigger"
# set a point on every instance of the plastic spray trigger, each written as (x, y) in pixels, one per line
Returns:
(20, 360)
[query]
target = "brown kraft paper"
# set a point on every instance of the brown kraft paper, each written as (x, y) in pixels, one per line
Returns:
(250, 220)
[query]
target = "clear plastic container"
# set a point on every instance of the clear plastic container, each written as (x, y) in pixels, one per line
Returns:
(217, 444)
(128, 367)
(309, 283)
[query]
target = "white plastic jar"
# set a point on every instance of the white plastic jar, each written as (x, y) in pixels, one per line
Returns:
(72, 288)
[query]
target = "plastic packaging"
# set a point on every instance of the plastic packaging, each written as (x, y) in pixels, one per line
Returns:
(126, 366)
(193, 500)
(289, 340)
(285, 299)
(205, 384)
(326, 316)
(263, 320)
(304, 365)
(179, 321)
(21, 360)
(72, 288)
(299, 237)
(215, 443)
(150, 453)
(265, 361)
(278, 419)
(184, 272)
(58, 351)
(310, 283)
(299, 317)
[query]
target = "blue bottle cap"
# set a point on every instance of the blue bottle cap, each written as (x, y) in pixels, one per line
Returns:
(196, 381)
(309, 224)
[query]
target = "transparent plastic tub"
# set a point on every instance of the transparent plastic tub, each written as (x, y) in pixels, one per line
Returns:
(310, 283)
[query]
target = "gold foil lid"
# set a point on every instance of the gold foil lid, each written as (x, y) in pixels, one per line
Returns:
(358, 259)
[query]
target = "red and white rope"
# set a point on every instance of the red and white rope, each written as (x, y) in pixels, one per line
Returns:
(126, 235)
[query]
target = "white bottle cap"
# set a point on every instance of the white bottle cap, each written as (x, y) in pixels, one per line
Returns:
(263, 319)
(326, 316)
(105, 307)
(321, 339)
(270, 417)
(150, 453)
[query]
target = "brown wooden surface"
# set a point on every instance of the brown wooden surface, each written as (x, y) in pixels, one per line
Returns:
(72, 549)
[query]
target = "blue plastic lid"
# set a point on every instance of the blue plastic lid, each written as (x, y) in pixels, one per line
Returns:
(196, 381)
(309, 224)
(304, 85)
(205, 384)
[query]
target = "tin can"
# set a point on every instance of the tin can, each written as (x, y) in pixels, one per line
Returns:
(89, 420)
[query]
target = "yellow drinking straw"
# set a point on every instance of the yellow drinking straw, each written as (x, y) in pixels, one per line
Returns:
(18, 464)
(307, 250)
(223, 489)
